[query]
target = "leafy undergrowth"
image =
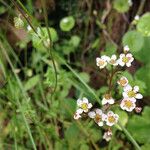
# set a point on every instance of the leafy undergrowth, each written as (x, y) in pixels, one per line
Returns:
(38, 98)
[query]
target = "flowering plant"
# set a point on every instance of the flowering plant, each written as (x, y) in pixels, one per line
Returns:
(105, 116)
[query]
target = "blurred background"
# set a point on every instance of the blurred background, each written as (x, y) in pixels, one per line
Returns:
(38, 98)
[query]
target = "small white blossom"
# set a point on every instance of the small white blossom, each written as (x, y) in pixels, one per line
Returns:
(113, 60)
(130, 3)
(77, 116)
(111, 118)
(130, 92)
(98, 116)
(29, 28)
(125, 59)
(107, 135)
(102, 62)
(83, 105)
(128, 104)
(126, 49)
(107, 99)
(123, 81)
(137, 17)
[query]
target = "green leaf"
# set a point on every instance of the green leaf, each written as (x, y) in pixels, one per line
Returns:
(85, 77)
(2, 9)
(144, 53)
(67, 23)
(37, 42)
(128, 75)
(123, 117)
(139, 126)
(134, 40)
(143, 25)
(143, 74)
(31, 82)
(53, 33)
(121, 5)
(145, 146)
(96, 134)
(75, 40)
(71, 134)
(84, 147)
(110, 49)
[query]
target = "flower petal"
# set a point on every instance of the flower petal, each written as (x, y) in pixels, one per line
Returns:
(79, 102)
(79, 111)
(85, 100)
(114, 57)
(91, 114)
(98, 111)
(100, 123)
(127, 88)
(125, 95)
(89, 105)
(136, 88)
(128, 64)
(139, 96)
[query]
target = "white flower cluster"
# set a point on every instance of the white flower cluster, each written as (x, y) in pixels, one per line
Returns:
(125, 59)
(97, 114)
(130, 94)
(100, 118)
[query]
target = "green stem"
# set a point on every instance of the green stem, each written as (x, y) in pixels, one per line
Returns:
(51, 44)
(24, 95)
(129, 136)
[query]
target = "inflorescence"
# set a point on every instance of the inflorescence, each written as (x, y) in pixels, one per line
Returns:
(105, 116)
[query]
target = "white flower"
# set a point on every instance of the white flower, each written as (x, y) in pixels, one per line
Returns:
(130, 2)
(29, 28)
(126, 49)
(107, 135)
(123, 81)
(102, 62)
(107, 99)
(130, 92)
(128, 104)
(113, 60)
(83, 105)
(137, 17)
(111, 118)
(125, 59)
(77, 116)
(98, 116)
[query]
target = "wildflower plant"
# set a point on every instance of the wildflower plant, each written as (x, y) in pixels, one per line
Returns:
(104, 115)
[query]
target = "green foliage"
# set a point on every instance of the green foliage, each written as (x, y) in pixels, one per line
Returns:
(33, 81)
(37, 42)
(143, 74)
(123, 117)
(143, 25)
(143, 54)
(139, 126)
(110, 49)
(121, 5)
(67, 23)
(2, 9)
(29, 113)
(134, 40)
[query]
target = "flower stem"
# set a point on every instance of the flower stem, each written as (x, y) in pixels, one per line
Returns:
(129, 136)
